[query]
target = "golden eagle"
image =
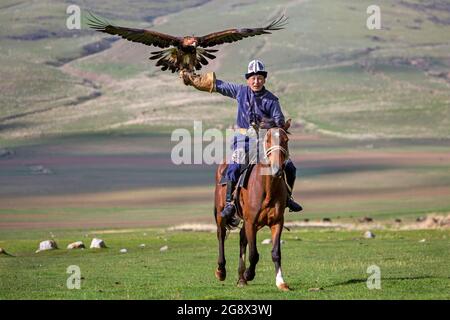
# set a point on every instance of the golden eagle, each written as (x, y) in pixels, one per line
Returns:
(185, 53)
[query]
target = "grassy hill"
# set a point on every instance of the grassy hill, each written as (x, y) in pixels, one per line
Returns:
(331, 72)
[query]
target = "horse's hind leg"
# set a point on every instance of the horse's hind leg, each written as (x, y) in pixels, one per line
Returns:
(243, 248)
(221, 272)
(250, 232)
(276, 256)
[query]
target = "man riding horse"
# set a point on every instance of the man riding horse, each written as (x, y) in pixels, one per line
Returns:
(255, 104)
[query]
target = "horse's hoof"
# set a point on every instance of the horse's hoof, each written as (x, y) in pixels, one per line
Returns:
(283, 287)
(242, 283)
(248, 275)
(221, 274)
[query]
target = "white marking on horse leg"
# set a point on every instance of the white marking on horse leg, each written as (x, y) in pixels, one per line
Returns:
(279, 278)
(242, 263)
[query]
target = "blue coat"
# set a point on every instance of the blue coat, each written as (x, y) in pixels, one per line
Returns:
(252, 106)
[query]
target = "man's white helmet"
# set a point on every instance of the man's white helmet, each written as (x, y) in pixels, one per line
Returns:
(255, 67)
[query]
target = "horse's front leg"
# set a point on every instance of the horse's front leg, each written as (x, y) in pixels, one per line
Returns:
(221, 272)
(250, 232)
(243, 248)
(276, 255)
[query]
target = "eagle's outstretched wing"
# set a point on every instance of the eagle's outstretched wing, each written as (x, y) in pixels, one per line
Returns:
(148, 37)
(233, 35)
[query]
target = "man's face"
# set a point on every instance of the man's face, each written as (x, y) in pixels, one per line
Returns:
(256, 82)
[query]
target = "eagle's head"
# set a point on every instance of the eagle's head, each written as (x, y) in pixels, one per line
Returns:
(190, 41)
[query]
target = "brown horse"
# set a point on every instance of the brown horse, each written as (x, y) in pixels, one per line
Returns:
(261, 204)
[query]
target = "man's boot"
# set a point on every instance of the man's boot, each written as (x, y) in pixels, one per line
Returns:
(292, 205)
(290, 180)
(230, 209)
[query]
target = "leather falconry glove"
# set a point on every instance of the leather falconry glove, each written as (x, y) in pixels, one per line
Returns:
(202, 82)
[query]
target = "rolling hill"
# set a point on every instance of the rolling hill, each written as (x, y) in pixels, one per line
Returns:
(332, 74)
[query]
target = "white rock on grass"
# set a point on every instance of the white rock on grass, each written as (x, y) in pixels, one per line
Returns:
(269, 241)
(3, 251)
(97, 244)
(369, 235)
(76, 245)
(423, 240)
(142, 245)
(123, 250)
(47, 245)
(165, 248)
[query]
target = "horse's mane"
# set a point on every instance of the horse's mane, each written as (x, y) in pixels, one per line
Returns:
(267, 124)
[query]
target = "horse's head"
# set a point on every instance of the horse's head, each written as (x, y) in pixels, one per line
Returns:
(276, 148)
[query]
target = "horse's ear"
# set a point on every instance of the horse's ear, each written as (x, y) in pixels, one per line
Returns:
(287, 125)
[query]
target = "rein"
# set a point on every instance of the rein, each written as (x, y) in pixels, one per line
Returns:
(267, 152)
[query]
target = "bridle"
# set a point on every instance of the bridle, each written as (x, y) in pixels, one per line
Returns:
(268, 151)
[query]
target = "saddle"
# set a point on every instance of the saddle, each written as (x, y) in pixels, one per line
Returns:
(245, 170)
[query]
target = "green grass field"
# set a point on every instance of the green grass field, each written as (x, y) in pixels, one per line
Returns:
(335, 261)
(110, 182)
